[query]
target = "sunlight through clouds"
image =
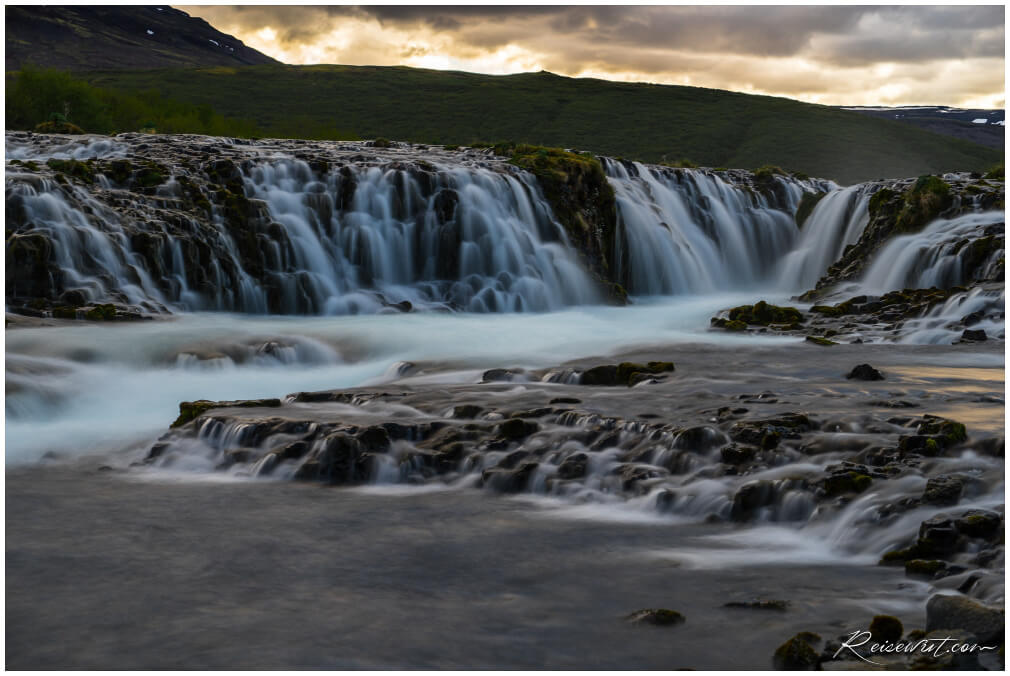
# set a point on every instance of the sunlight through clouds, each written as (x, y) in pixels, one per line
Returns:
(829, 55)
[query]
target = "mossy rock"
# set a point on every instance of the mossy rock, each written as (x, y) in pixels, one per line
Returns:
(924, 568)
(798, 653)
(190, 410)
(847, 482)
(997, 173)
(82, 171)
(381, 143)
(581, 199)
(625, 373)
(517, 428)
(763, 314)
(880, 198)
(817, 340)
(923, 202)
(950, 432)
(101, 313)
(886, 628)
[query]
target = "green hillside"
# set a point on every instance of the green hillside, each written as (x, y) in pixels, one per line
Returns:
(638, 121)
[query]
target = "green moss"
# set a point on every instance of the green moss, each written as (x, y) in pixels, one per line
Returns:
(190, 410)
(848, 482)
(82, 171)
(580, 196)
(735, 325)
(767, 172)
(763, 314)
(923, 202)
(880, 198)
(923, 568)
(806, 207)
(816, 340)
(996, 173)
(382, 143)
(451, 146)
(101, 313)
(886, 628)
(797, 653)
(150, 176)
(898, 556)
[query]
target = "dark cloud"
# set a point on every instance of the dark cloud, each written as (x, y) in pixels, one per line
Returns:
(792, 50)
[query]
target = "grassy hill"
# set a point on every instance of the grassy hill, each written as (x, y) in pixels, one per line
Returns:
(638, 121)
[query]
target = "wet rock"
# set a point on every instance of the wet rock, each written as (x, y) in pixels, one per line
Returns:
(972, 319)
(944, 490)
(979, 523)
(937, 535)
(338, 459)
(661, 617)
(959, 612)
(973, 336)
(625, 373)
(864, 372)
(768, 432)
(466, 411)
(509, 480)
(573, 467)
(924, 568)
(751, 497)
(190, 410)
(501, 375)
(798, 653)
(846, 482)
(565, 400)
(735, 454)
(759, 604)
(517, 428)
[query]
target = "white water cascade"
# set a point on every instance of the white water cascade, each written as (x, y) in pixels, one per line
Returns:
(465, 238)
(935, 256)
(837, 221)
(689, 231)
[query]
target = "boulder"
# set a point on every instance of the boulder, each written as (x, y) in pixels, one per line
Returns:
(952, 612)
(864, 372)
(798, 653)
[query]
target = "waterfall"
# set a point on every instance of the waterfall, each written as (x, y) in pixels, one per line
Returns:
(263, 228)
(837, 221)
(945, 253)
(466, 238)
(690, 231)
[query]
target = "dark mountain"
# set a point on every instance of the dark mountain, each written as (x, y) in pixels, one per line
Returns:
(978, 125)
(83, 38)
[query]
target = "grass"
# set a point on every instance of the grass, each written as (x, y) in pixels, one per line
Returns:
(53, 101)
(632, 120)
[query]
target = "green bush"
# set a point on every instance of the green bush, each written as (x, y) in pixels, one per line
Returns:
(49, 100)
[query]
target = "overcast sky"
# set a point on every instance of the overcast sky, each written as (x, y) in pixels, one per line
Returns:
(897, 55)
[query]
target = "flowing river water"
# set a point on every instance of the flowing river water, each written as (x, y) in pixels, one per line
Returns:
(114, 562)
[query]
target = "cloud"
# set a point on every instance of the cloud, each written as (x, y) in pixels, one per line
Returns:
(831, 54)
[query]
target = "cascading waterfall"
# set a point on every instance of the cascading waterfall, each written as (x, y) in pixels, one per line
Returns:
(836, 222)
(460, 237)
(689, 231)
(939, 255)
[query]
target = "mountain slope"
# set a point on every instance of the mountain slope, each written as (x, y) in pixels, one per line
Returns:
(92, 38)
(638, 121)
